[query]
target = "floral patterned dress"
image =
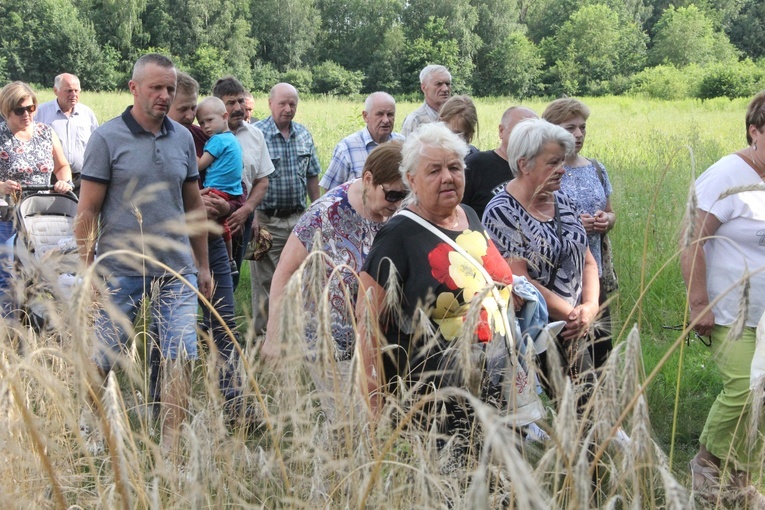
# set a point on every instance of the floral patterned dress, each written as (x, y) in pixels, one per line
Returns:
(346, 238)
(26, 162)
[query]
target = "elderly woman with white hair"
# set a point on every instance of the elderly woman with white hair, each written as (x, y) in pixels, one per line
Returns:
(434, 288)
(537, 230)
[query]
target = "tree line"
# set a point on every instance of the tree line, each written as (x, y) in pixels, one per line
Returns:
(521, 48)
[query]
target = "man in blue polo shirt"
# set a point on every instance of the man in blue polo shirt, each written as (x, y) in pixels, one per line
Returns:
(139, 182)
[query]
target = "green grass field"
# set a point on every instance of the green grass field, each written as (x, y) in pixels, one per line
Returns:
(652, 151)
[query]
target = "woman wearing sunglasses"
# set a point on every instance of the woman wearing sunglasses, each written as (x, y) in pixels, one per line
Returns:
(29, 153)
(337, 232)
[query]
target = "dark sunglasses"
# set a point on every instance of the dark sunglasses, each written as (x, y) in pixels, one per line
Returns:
(21, 109)
(393, 196)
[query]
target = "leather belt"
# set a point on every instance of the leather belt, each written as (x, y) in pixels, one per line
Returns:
(281, 213)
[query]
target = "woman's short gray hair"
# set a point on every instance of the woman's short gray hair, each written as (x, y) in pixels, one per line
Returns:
(432, 135)
(529, 138)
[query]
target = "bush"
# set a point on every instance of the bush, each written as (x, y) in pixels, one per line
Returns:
(264, 76)
(301, 79)
(333, 79)
(731, 80)
(665, 82)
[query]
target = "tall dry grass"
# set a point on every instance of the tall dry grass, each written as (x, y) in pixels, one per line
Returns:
(296, 460)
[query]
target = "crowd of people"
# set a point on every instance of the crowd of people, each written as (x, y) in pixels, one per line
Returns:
(429, 247)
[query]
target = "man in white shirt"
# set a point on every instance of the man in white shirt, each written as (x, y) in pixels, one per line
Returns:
(72, 121)
(436, 84)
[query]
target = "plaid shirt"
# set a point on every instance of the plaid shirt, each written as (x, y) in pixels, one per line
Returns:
(349, 158)
(294, 161)
(421, 115)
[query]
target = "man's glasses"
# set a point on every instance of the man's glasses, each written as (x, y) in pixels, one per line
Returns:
(392, 195)
(21, 109)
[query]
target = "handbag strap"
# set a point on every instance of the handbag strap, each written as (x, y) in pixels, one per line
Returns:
(459, 249)
(599, 170)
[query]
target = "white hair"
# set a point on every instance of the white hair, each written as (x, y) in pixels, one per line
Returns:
(433, 135)
(427, 71)
(529, 138)
(371, 99)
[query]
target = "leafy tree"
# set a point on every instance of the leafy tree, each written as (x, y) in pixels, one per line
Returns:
(42, 38)
(748, 31)
(512, 67)
(386, 67)
(686, 36)
(301, 79)
(440, 25)
(289, 29)
(333, 79)
(592, 47)
(432, 47)
(353, 30)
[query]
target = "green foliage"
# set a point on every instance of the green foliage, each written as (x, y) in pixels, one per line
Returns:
(264, 76)
(666, 82)
(331, 78)
(301, 79)
(42, 38)
(386, 67)
(513, 67)
(206, 65)
(590, 48)
(732, 80)
(434, 47)
(748, 32)
(686, 36)
(291, 26)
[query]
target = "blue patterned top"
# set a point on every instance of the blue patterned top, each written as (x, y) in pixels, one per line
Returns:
(582, 186)
(518, 234)
(294, 161)
(346, 237)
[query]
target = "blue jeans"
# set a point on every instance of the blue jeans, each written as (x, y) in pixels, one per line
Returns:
(173, 309)
(7, 237)
(239, 246)
(223, 301)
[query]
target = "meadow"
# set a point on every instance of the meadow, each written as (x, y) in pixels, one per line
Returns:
(661, 388)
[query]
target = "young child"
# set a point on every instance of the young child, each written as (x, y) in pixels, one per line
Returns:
(222, 159)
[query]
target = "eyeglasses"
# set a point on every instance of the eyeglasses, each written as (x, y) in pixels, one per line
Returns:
(21, 109)
(393, 196)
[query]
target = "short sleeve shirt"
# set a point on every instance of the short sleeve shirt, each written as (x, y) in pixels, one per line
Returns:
(520, 235)
(225, 172)
(422, 115)
(588, 194)
(738, 244)
(255, 157)
(349, 158)
(74, 130)
(143, 210)
(346, 238)
(436, 285)
(294, 160)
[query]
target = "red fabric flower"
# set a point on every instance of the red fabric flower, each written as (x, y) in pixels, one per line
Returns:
(483, 331)
(496, 266)
(439, 262)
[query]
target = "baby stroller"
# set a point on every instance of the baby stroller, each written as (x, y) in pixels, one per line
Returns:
(45, 253)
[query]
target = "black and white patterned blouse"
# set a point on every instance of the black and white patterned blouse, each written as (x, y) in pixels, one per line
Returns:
(518, 234)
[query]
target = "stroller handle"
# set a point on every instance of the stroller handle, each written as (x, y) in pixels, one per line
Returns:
(36, 188)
